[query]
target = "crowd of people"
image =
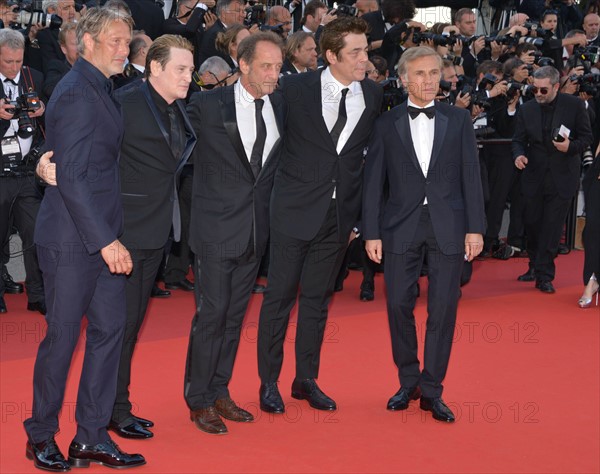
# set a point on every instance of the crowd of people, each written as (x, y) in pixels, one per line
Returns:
(142, 139)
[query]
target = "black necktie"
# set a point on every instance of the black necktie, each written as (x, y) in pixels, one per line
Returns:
(261, 138)
(415, 111)
(336, 131)
(175, 132)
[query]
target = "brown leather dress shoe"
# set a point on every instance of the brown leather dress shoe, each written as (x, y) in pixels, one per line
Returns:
(208, 420)
(227, 408)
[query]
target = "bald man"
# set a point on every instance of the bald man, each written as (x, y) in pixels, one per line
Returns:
(280, 16)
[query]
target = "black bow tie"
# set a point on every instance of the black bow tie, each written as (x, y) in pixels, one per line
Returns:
(415, 111)
(10, 81)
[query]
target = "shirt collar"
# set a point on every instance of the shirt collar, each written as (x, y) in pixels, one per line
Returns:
(160, 102)
(243, 97)
(98, 78)
(327, 78)
(412, 104)
(15, 80)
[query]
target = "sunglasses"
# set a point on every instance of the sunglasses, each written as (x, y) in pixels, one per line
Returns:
(540, 90)
(218, 83)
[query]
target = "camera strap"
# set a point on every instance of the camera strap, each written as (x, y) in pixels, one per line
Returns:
(30, 87)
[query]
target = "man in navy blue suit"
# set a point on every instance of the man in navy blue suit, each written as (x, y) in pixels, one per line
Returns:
(82, 261)
(427, 152)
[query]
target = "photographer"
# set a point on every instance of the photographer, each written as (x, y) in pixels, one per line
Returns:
(392, 13)
(568, 15)
(551, 133)
(19, 196)
(278, 20)
(229, 13)
(48, 37)
(192, 19)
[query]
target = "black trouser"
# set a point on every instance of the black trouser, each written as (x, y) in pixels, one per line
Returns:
(179, 258)
(545, 215)
(137, 294)
(591, 231)
(223, 289)
(20, 200)
(312, 265)
(401, 274)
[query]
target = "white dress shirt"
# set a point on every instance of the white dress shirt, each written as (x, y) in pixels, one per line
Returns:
(245, 113)
(422, 130)
(11, 92)
(331, 94)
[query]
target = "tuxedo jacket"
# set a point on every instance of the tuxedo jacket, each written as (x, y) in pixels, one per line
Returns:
(24, 85)
(49, 46)
(452, 185)
(288, 68)
(193, 30)
(310, 167)
(229, 207)
(208, 47)
(149, 170)
(541, 154)
(84, 128)
(56, 71)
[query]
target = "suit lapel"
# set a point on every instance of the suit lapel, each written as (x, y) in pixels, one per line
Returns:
(146, 94)
(227, 106)
(365, 116)
(440, 127)
(277, 104)
(315, 108)
(190, 136)
(403, 129)
(113, 108)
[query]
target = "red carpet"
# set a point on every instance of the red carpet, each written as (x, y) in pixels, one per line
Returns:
(524, 383)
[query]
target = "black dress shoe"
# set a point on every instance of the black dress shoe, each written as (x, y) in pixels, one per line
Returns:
(158, 292)
(108, 454)
(10, 286)
(367, 291)
(529, 276)
(47, 456)
(402, 397)
(37, 306)
(143, 421)
(438, 408)
(184, 285)
(130, 428)
(545, 287)
(309, 390)
(257, 289)
(3, 308)
(270, 398)
(563, 249)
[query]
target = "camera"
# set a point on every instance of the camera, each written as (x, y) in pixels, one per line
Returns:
(526, 90)
(393, 93)
(345, 10)
(29, 15)
(438, 40)
(255, 15)
(21, 106)
(588, 83)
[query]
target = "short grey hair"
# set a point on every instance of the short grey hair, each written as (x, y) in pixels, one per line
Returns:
(49, 4)
(215, 64)
(12, 39)
(223, 5)
(96, 20)
(415, 53)
(547, 72)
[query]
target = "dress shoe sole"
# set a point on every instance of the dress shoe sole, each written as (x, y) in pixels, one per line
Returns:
(436, 417)
(177, 287)
(267, 409)
(29, 455)
(367, 298)
(416, 396)
(236, 420)
(301, 396)
(78, 462)
(130, 436)
(11, 291)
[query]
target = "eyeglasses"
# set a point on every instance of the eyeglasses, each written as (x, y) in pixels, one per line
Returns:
(540, 90)
(218, 83)
(371, 71)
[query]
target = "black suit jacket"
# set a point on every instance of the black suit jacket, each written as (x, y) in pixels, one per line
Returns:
(310, 167)
(288, 68)
(227, 202)
(208, 48)
(452, 185)
(148, 16)
(148, 169)
(24, 85)
(542, 155)
(48, 41)
(56, 71)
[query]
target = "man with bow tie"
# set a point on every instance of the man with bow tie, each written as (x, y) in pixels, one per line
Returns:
(428, 153)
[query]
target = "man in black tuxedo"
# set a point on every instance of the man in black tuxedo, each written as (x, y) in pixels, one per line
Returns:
(57, 68)
(20, 196)
(427, 152)
(82, 260)
(315, 205)
(48, 37)
(240, 129)
(551, 133)
(153, 153)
